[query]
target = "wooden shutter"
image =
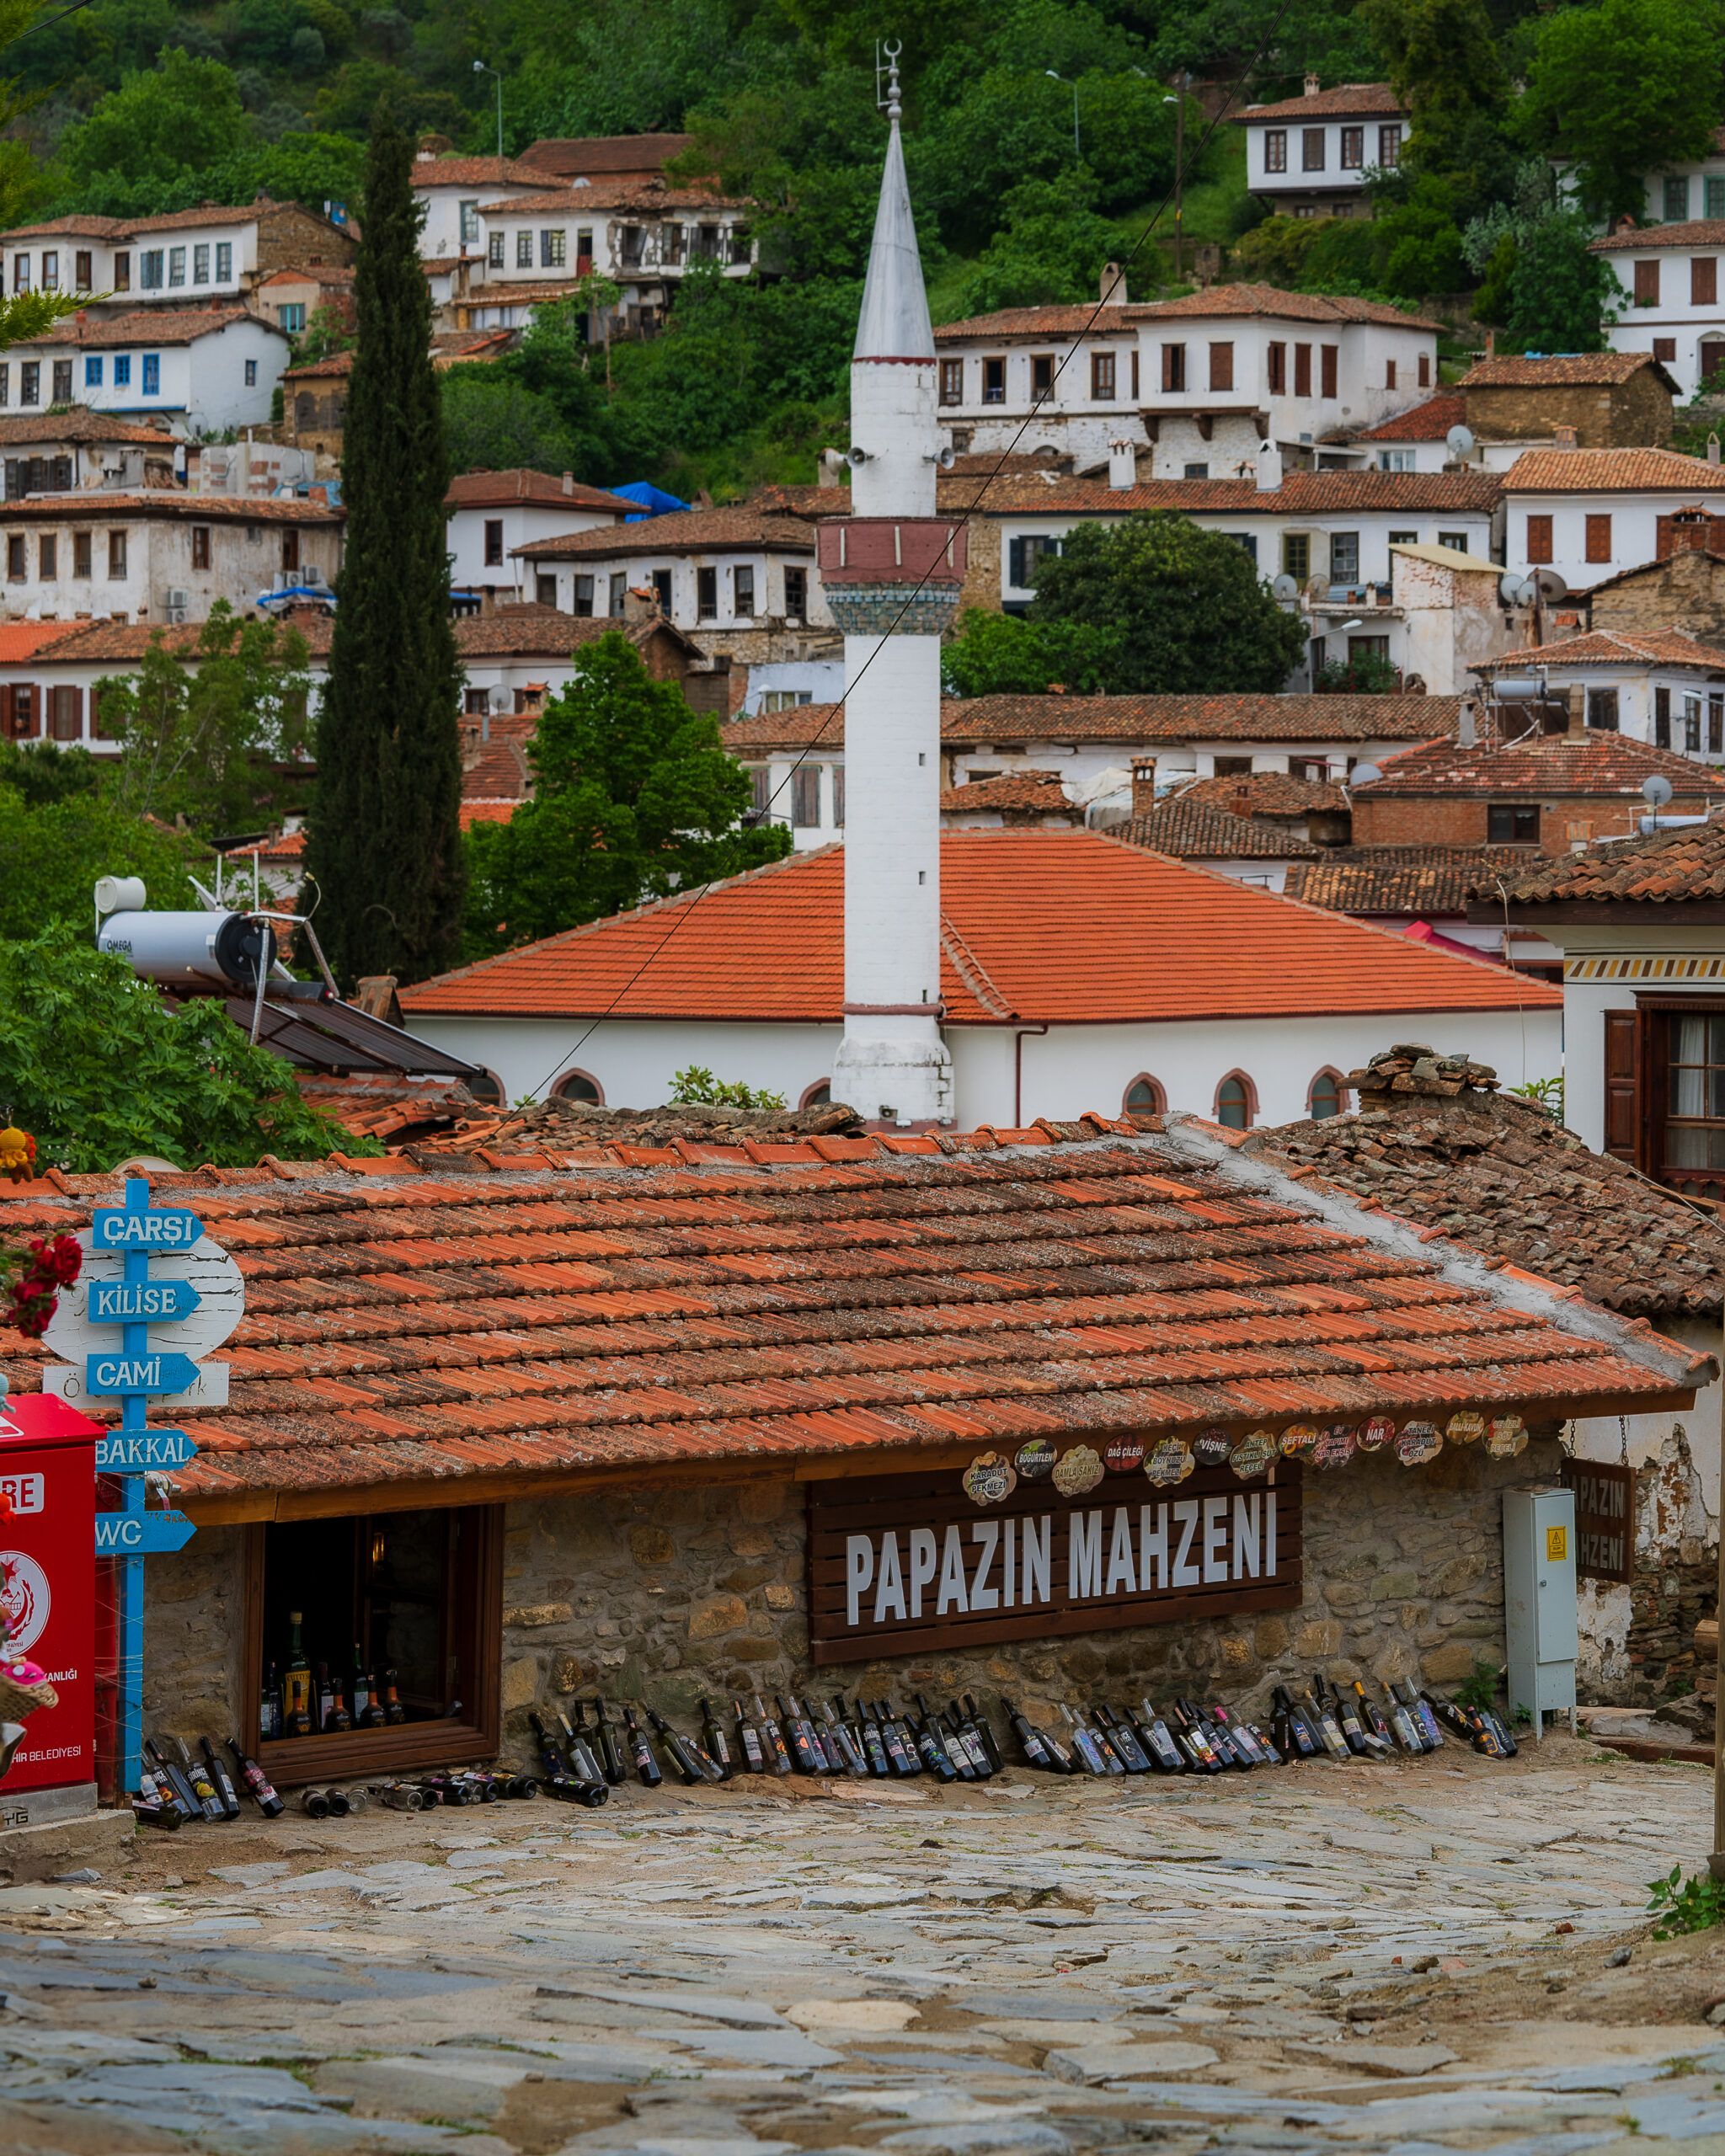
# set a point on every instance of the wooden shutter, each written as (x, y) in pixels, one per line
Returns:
(6, 701)
(1328, 355)
(1598, 538)
(1622, 1088)
(1539, 539)
(1221, 366)
(1647, 284)
(1302, 369)
(1703, 280)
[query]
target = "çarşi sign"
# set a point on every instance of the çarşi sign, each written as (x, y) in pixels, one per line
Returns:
(1605, 1519)
(904, 1563)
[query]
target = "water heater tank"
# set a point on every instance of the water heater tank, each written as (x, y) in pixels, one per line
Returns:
(192, 950)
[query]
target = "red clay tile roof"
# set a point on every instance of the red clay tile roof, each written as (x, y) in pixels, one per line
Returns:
(1614, 648)
(487, 810)
(678, 531)
(1051, 321)
(1191, 829)
(499, 489)
(1665, 868)
(1573, 764)
(1007, 718)
(1040, 791)
(451, 348)
(1305, 493)
(551, 1314)
(167, 325)
(1553, 370)
(79, 423)
(130, 640)
(1420, 880)
(1612, 471)
(476, 172)
(1428, 421)
(1501, 1175)
(535, 631)
(98, 507)
(569, 154)
(1062, 926)
(579, 197)
(1692, 231)
(337, 364)
(1365, 100)
(1270, 794)
(22, 640)
(1221, 300)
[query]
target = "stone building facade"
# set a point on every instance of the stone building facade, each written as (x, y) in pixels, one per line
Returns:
(1605, 400)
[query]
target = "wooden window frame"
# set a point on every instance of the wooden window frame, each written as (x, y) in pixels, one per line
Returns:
(1221, 365)
(1128, 1107)
(1275, 149)
(952, 381)
(1354, 149)
(1173, 370)
(1103, 374)
(1245, 1082)
(291, 1762)
(1703, 281)
(1596, 547)
(1539, 536)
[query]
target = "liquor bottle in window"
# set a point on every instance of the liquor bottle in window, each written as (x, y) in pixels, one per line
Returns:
(717, 1744)
(256, 1782)
(778, 1753)
(297, 1684)
(332, 1710)
(269, 1706)
(215, 1768)
(393, 1710)
(641, 1752)
(1419, 1713)
(363, 1693)
(750, 1747)
(611, 1752)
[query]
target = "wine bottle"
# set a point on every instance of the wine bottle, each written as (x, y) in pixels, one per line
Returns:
(154, 1805)
(612, 1765)
(560, 1780)
(984, 1730)
(826, 1761)
(519, 1786)
(936, 1758)
(1329, 1729)
(399, 1796)
(716, 1743)
(873, 1743)
(751, 1746)
(1124, 1738)
(269, 1706)
(1239, 1737)
(1159, 1746)
(1501, 1729)
(314, 1804)
(1084, 1747)
(1341, 1712)
(1265, 1740)
(800, 1735)
(900, 1746)
(483, 1788)
(1033, 1746)
(202, 1787)
(337, 1801)
(950, 1738)
(641, 1751)
(332, 1714)
(778, 1753)
(1419, 1709)
(1191, 1740)
(691, 1762)
(577, 1751)
(185, 1798)
(362, 1709)
(947, 1743)
(393, 1710)
(963, 1725)
(842, 1743)
(223, 1781)
(256, 1783)
(1405, 1727)
(296, 1683)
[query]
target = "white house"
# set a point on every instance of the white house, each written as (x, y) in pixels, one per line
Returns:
(1201, 382)
(493, 515)
(1663, 687)
(1671, 301)
(1310, 155)
(1334, 527)
(63, 451)
(452, 191)
(210, 256)
(1678, 195)
(1589, 514)
(158, 557)
(204, 370)
(1442, 614)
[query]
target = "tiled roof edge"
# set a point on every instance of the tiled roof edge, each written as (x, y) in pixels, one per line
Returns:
(1500, 1282)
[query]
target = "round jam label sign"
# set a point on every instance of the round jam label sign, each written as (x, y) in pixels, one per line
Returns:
(1297, 1439)
(1077, 1471)
(1122, 1454)
(1253, 1454)
(1212, 1448)
(1376, 1432)
(1034, 1460)
(1506, 1437)
(1418, 1443)
(1336, 1447)
(1466, 1428)
(1171, 1462)
(988, 1479)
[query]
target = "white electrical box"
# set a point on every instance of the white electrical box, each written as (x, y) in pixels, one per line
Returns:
(1539, 1603)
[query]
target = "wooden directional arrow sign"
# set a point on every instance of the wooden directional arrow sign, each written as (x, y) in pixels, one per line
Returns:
(153, 1373)
(141, 1535)
(151, 1302)
(84, 1325)
(142, 1452)
(159, 1227)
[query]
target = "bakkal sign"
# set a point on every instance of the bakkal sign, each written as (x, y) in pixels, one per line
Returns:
(902, 1564)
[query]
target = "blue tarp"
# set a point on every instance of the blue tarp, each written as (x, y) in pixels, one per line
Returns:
(654, 500)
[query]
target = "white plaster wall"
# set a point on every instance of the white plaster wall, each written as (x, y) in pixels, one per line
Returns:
(1634, 530)
(635, 1061)
(1333, 178)
(524, 523)
(1674, 315)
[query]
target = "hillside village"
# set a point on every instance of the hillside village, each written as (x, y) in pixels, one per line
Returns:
(858, 800)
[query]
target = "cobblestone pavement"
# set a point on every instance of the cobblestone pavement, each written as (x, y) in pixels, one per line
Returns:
(1433, 1954)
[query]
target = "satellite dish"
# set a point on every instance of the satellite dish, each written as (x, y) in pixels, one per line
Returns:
(1284, 587)
(1365, 775)
(1526, 592)
(1551, 585)
(1460, 440)
(1656, 790)
(501, 700)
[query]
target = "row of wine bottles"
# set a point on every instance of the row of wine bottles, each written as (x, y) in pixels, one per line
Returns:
(177, 1785)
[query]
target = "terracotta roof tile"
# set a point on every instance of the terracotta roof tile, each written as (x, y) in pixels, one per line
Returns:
(1614, 648)
(1665, 868)
(1428, 421)
(1554, 369)
(1188, 828)
(628, 1306)
(21, 640)
(1040, 924)
(167, 325)
(1270, 794)
(476, 172)
(1415, 879)
(1365, 100)
(579, 197)
(79, 423)
(570, 154)
(96, 506)
(1560, 763)
(1309, 492)
(1039, 791)
(498, 489)
(1691, 231)
(678, 531)
(331, 368)
(1611, 471)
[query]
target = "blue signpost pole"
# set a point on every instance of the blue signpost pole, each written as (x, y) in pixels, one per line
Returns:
(134, 1338)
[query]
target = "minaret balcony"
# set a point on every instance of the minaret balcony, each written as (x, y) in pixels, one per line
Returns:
(886, 573)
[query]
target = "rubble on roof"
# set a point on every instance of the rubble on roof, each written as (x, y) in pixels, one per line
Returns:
(1413, 1068)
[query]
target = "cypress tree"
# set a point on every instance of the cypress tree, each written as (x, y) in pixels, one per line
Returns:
(384, 841)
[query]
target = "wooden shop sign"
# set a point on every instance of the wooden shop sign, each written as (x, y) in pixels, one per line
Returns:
(1605, 1519)
(907, 1564)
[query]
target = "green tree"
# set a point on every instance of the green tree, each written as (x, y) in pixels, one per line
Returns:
(99, 1066)
(634, 797)
(42, 771)
(1192, 616)
(1008, 655)
(180, 116)
(1051, 248)
(1562, 296)
(384, 838)
(205, 729)
(1624, 87)
(51, 852)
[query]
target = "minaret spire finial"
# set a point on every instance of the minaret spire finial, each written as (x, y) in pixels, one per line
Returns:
(894, 109)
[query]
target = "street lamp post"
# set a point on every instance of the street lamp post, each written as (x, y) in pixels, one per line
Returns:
(480, 68)
(1077, 148)
(1178, 102)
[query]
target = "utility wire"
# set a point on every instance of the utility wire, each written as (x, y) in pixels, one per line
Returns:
(77, 8)
(685, 903)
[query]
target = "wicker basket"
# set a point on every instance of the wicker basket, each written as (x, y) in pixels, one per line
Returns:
(17, 1702)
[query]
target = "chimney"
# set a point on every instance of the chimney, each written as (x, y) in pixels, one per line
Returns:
(1491, 343)
(1467, 729)
(1690, 530)
(1712, 449)
(1122, 465)
(640, 604)
(1312, 86)
(569, 482)
(1562, 437)
(1112, 292)
(1269, 468)
(1143, 785)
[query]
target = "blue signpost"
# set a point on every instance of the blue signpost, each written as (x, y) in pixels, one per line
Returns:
(134, 1372)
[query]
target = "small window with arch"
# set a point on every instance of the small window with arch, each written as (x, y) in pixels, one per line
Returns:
(576, 1086)
(1327, 1096)
(818, 1095)
(1144, 1096)
(485, 1086)
(1236, 1102)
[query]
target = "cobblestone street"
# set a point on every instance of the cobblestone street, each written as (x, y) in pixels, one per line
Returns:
(1438, 1954)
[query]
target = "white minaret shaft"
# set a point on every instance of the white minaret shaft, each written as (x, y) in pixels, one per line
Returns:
(892, 1064)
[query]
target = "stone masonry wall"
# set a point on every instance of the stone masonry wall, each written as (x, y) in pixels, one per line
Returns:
(192, 1625)
(672, 1595)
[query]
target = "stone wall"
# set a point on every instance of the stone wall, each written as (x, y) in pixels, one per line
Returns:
(670, 1595)
(1632, 414)
(1687, 591)
(192, 1620)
